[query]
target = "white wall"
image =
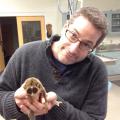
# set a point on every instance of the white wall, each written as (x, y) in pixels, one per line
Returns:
(106, 5)
(103, 4)
(47, 8)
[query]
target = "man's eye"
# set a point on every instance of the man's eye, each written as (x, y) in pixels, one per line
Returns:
(86, 45)
(74, 35)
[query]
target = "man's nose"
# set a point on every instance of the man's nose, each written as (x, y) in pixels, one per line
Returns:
(74, 47)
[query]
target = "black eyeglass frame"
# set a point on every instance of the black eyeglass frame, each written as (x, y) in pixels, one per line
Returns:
(89, 49)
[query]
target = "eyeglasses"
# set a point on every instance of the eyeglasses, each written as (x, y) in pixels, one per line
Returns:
(72, 37)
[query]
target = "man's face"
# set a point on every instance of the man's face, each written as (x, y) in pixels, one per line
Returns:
(76, 41)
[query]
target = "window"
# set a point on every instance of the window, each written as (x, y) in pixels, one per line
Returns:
(113, 18)
(115, 23)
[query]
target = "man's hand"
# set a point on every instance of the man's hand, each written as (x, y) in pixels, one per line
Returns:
(37, 107)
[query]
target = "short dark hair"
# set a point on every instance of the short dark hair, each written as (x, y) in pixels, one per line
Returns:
(96, 17)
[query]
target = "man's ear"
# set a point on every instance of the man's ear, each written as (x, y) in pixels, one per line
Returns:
(65, 27)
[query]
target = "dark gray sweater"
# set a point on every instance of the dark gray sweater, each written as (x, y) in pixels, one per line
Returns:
(82, 87)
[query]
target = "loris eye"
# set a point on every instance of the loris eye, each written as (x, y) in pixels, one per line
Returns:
(29, 91)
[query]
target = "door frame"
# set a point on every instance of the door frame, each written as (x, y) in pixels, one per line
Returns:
(2, 60)
(20, 19)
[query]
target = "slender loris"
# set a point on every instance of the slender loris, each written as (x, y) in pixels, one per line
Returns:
(36, 90)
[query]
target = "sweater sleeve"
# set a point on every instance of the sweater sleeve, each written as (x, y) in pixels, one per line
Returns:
(94, 106)
(8, 85)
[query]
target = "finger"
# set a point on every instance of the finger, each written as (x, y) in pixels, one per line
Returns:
(41, 112)
(25, 109)
(20, 102)
(20, 93)
(40, 108)
(51, 96)
(38, 105)
(33, 108)
(52, 100)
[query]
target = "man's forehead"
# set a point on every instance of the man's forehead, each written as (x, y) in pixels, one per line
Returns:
(81, 20)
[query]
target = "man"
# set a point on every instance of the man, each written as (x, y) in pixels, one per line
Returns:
(67, 70)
